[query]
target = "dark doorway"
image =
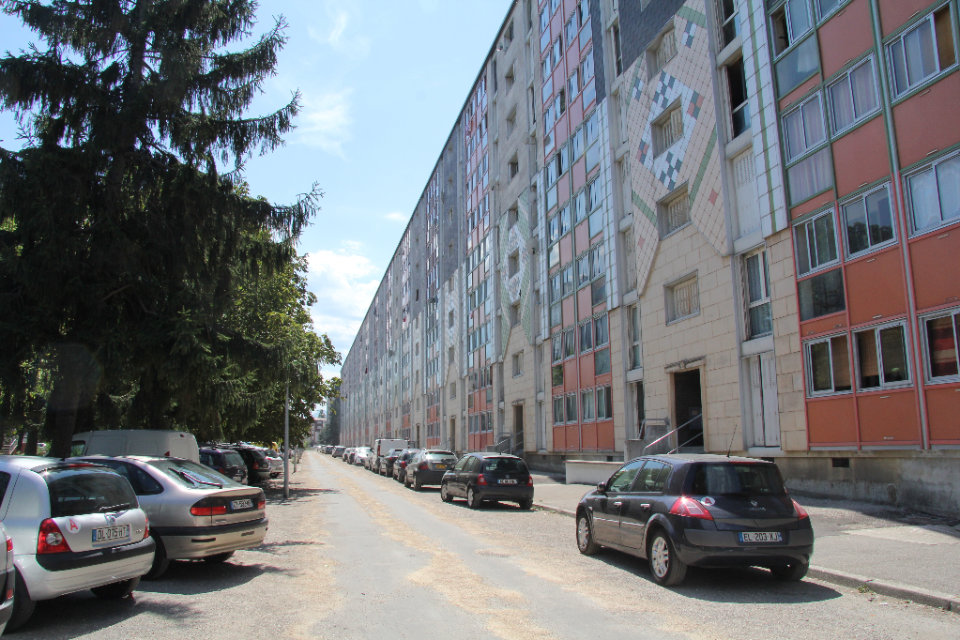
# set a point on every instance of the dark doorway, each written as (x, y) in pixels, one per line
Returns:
(688, 407)
(518, 427)
(641, 413)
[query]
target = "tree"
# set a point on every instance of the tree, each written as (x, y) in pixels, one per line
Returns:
(121, 242)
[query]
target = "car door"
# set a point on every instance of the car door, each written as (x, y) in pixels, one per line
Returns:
(638, 503)
(454, 485)
(606, 510)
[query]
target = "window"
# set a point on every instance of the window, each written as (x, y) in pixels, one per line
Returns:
(789, 23)
(453, 391)
(569, 343)
(604, 404)
(598, 291)
(518, 364)
(557, 374)
(942, 334)
(558, 410)
(674, 213)
(567, 281)
(513, 264)
(803, 128)
(580, 206)
(617, 55)
(544, 20)
(882, 357)
(583, 270)
(510, 78)
(729, 19)
(513, 168)
(586, 336)
(828, 366)
(450, 319)
(737, 91)
(668, 130)
(564, 216)
(570, 407)
(601, 330)
(923, 51)
(636, 355)
(570, 29)
(816, 243)
(588, 86)
(662, 51)
(556, 347)
(595, 195)
(514, 314)
(810, 176)
(587, 406)
(757, 277)
(825, 7)
(601, 362)
(683, 299)
(868, 220)
(853, 97)
(821, 295)
(573, 84)
(933, 194)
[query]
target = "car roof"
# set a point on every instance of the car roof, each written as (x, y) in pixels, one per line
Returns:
(703, 457)
(493, 454)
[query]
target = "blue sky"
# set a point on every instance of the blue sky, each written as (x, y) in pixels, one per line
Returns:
(383, 82)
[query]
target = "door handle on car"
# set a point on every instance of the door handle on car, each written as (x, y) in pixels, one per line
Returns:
(644, 506)
(618, 504)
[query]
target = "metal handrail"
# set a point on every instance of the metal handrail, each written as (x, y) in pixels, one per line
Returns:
(670, 433)
(664, 422)
(499, 446)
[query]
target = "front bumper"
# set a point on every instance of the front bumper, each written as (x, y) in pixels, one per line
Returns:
(701, 548)
(183, 543)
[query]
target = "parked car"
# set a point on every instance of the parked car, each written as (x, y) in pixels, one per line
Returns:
(9, 580)
(195, 512)
(481, 477)
(383, 445)
(74, 526)
(385, 467)
(140, 442)
(428, 467)
(362, 456)
(338, 451)
(258, 467)
(698, 510)
(276, 462)
(400, 465)
(226, 462)
(348, 455)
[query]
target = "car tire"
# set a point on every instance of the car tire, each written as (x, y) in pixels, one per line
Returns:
(416, 484)
(585, 542)
(218, 558)
(445, 493)
(160, 561)
(117, 590)
(473, 500)
(790, 573)
(667, 569)
(23, 605)
(406, 481)
(526, 505)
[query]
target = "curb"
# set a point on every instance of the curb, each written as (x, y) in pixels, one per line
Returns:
(854, 581)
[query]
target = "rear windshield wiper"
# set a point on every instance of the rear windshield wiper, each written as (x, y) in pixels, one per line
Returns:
(184, 474)
(115, 507)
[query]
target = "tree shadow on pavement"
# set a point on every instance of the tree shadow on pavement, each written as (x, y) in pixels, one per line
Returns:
(189, 577)
(275, 495)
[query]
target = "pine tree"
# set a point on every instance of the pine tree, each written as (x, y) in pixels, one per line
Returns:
(121, 240)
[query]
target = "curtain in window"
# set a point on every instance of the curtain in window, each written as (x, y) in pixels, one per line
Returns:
(869, 362)
(943, 347)
(810, 177)
(863, 83)
(923, 199)
(948, 179)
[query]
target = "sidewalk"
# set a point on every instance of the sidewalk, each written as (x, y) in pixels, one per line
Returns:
(891, 551)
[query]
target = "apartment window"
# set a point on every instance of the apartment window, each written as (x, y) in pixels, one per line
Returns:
(826, 7)
(828, 366)
(816, 243)
(564, 217)
(739, 105)
(513, 264)
(518, 364)
(570, 407)
(810, 176)
(789, 23)
(796, 66)
(569, 343)
(450, 354)
(617, 55)
(668, 129)
(595, 194)
(556, 314)
(601, 330)
(580, 206)
(683, 299)
(556, 373)
(544, 20)
(604, 404)
(573, 84)
(513, 168)
(882, 357)
(570, 29)
(510, 77)
(729, 19)
(556, 347)
(587, 406)
(757, 281)
(601, 362)
(854, 96)
(923, 51)
(586, 336)
(583, 270)
(511, 122)
(553, 6)
(636, 356)
(674, 213)
(558, 410)
(661, 52)
(821, 295)
(933, 194)
(576, 142)
(868, 220)
(942, 334)
(803, 128)
(514, 314)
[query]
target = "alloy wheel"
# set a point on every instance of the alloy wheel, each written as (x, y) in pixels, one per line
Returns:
(660, 557)
(583, 533)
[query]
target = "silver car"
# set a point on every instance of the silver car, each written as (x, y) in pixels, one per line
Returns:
(195, 512)
(276, 462)
(8, 579)
(74, 526)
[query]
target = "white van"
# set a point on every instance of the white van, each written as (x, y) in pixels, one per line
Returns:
(136, 442)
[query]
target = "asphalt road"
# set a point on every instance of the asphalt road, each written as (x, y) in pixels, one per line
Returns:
(353, 555)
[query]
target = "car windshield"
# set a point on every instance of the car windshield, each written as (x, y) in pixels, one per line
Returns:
(77, 491)
(504, 465)
(192, 475)
(440, 456)
(745, 480)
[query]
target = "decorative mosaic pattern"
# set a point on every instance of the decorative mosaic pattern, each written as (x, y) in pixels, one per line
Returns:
(688, 34)
(515, 288)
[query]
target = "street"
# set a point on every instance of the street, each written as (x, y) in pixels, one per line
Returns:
(354, 555)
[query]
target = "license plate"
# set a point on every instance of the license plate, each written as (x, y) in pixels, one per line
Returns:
(508, 481)
(440, 466)
(236, 505)
(761, 536)
(111, 534)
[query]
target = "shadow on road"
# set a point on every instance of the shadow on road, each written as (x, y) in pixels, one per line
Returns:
(188, 577)
(274, 495)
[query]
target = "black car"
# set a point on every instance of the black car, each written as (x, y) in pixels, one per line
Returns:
(386, 462)
(258, 467)
(698, 510)
(400, 464)
(225, 461)
(480, 477)
(428, 467)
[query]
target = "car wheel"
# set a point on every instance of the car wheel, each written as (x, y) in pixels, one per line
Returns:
(160, 561)
(667, 569)
(526, 505)
(585, 542)
(23, 606)
(416, 484)
(473, 500)
(274, 475)
(445, 493)
(406, 481)
(790, 573)
(218, 558)
(117, 590)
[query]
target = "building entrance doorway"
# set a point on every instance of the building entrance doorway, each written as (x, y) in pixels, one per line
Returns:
(688, 409)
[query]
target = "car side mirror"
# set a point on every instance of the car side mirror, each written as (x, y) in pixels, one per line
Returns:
(602, 487)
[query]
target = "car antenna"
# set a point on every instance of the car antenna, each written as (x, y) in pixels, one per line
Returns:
(730, 448)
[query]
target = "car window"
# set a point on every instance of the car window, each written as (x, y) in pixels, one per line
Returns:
(620, 480)
(504, 465)
(441, 457)
(192, 475)
(4, 482)
(746, 479)
(232, 459)
(463, 462)
(474, 465)
(206, 458)
(79, 491)
(651, 478)
(77, 447)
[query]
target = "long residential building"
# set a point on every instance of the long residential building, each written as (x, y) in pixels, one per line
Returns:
(706, 225)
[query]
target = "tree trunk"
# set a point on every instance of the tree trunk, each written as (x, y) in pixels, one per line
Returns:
(31, 447)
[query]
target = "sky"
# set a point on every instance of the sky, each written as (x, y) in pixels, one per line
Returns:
(382, 83)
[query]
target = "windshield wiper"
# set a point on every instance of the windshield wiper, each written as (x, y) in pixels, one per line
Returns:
(115, 507)
(184, 474)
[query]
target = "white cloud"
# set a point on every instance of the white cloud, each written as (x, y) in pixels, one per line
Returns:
(342, 36)
(396, 216)
(325, 121)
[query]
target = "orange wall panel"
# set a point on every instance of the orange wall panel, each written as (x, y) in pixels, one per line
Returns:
(559, 439)
(893, 13)
(889, 417)
(579, 171)
(861, 157)
(569, 315)
(789, 99)
(831, 421)
(847, 35)
(943, 413)
(570, 375)
(566, 249)
(605, 439)
(573, 437)
(835, 322)
(589, 434)
(934, 260)
(563, 189)
(875, 286)
(820, 201)
(583, 303)
(928, 120)
(586, 371)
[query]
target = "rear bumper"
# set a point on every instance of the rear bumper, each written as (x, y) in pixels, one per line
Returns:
(182, 543)
(6, 608)
(505, 492)
(723, 549)
(427, 476)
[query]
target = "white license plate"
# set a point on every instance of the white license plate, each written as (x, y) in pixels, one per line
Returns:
(111, 534)
(241, 504)
(508, 481)
(761, 536)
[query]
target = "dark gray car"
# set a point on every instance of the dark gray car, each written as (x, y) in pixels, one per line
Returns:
(496, 477)
(428, 467)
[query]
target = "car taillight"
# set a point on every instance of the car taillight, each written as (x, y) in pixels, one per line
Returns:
(529, 481)
(262, 504)
(255, 466)
(423, 466)
(209, 507)
(801, 512)
(146, 528)
(403, 464)
(51, 539)
(481, 479)
(685, 506)
(9, 544)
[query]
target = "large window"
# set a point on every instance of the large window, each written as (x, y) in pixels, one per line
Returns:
(789, 23)
(604, 404)
(667, 130)
(586, 336)
(601, 330)
(797, 65)
(601, 362)
(570, 407)
(816, 241)
(821, 295)
(803, 128)
(923, 51)
(933, 194)
(854, 96)
(757, 281)
(674, 212)
(683, 299)
(660, 53)
(569, 343)
(882, 357)
(587, 406)
(942, 334)
(828, 366)
(737, 92)
(869, 221)
(729, 18)
(636, 356)
(558, 413)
